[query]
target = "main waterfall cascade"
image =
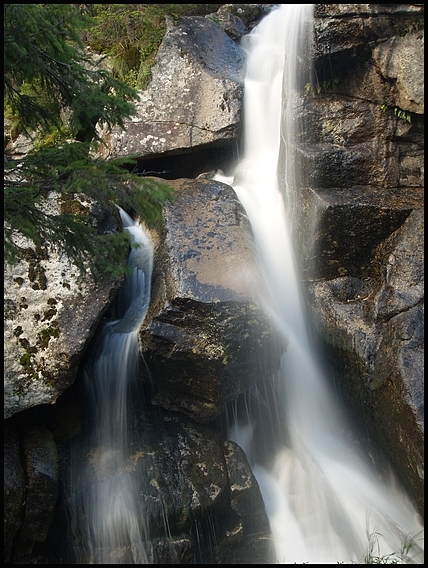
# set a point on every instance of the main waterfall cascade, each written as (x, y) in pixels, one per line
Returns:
(107, 522)
(324, 502)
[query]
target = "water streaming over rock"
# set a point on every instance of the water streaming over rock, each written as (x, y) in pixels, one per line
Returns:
(324, 502)
(107, 522)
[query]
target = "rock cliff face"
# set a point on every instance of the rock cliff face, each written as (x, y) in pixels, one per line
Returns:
(361, 154)
(362, 172)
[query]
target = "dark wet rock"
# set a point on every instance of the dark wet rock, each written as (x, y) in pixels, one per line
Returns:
(346, 34)
(230, 22)
(184, 483)
(373, 327)
(246, 499)
(347, 226)
(41, 462)
(14, 489)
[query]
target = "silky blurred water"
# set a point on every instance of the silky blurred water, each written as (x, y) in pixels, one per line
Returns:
(324, 502)
(107, 518)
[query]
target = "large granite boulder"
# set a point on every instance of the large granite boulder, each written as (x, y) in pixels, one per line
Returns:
(194, 98)
(205, 338)
(50, 316)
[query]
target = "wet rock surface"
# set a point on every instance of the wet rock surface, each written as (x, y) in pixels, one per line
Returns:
(187, 479)
(205, 339)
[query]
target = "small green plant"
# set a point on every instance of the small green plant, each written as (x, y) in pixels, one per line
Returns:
(317, 88)
(372, 554)
(399, 112)
(404, 556)
(214, 19)
(402, 114)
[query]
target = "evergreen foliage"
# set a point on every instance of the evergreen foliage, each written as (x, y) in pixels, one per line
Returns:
(130, 35)
(53, 88)
(46, 72)
(69, 170)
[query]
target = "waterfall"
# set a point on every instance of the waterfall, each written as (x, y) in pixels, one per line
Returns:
(107, 523)
(324, 502)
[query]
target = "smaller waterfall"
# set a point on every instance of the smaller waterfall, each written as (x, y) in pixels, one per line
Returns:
(107, 518)
(323, 500)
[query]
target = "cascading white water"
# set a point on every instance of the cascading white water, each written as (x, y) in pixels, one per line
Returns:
(107, 518)
(324, 503)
